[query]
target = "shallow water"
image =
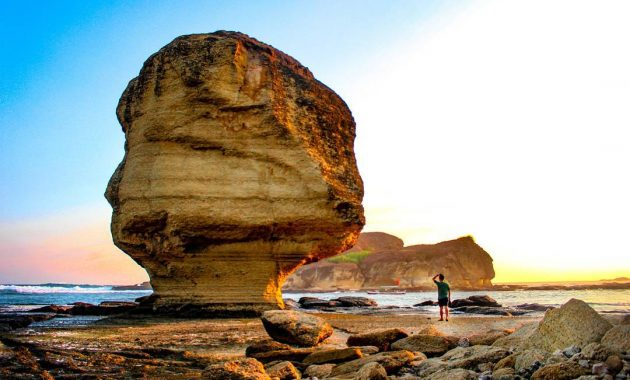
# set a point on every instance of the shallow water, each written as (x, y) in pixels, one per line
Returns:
(22, 297)
(600, 299)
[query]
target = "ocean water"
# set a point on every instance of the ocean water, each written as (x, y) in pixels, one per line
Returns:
(24, 297)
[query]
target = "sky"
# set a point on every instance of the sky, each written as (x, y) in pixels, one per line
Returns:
(504, 120)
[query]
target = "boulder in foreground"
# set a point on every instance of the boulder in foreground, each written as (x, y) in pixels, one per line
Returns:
(239, 167)
(294, 327)
(575, 323)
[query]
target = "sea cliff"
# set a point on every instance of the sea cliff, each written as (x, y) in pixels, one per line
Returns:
(380, 259)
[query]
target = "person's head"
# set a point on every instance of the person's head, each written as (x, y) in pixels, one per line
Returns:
(441, 277)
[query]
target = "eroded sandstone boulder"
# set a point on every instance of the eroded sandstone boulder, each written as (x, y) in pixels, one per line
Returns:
(239, 167)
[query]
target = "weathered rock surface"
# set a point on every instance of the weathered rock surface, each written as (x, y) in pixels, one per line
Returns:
(574, 323)
(518, 338)
(284, 371)
(392, 361)
(294, 327)
(381, 338)
(318, 370)
(333, 356)
(430, 345)
(241, 369)
(481, 300)
(453, 374)
(561, 371)
(385, 261)
(617, 338)
(371, 371)
(238, 168)
(470, 357)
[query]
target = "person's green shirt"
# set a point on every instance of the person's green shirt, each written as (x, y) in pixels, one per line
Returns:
(443, 288)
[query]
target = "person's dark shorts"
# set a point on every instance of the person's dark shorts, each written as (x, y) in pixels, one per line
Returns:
(443, 301)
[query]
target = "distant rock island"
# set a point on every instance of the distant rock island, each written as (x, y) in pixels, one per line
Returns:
(379, 259)
(239, 167)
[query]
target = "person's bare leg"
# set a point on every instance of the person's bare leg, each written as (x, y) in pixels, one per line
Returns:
(446, 310)
(441, 313)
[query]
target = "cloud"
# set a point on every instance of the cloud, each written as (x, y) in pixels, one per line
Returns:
(73, 246)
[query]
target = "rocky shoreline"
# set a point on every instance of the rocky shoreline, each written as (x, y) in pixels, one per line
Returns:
(566, 343)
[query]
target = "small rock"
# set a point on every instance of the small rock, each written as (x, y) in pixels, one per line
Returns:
(241, 369)
(367, 350)
(371, 371)
(333, 356)
(453, 374)
(381, 339)
(392, 361)
(527, 358)
(599, 369)
(571, 350)
(584, 363)
(284, 371)
(356, 301)
(617, 338)
(463, 342)
(614, 364)
(506, 372)
(290, 304)
(318, 370)
(293, 354)
(266, 346)
(595, 351)
(294, 327)
(428, 344)
(426, 303)
(507, 362)
(561, 371)
(484, 300)
(486, 339)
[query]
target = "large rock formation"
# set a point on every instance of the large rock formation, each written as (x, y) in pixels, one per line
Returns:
(380, 259)
(239, 167)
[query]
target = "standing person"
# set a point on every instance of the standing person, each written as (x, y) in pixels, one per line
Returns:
(444, 295)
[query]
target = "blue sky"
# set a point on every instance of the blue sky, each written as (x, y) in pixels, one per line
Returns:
(505, 120)
(64, 65)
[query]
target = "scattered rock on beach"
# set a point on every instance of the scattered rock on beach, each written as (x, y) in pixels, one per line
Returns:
(240, 369)
(265, 346)
(294, 327)
(574, 323)
(335, 355)
(617, 338)
(562, 371)
(392, 361)
(371, 371)
(381, 338)
(430, 345)
(426, 303)
(484, 300)
(355, 301)
(453, 374)
(283, 371)
(291, 354)
(486, 338)
(318, 370)
(470, 357)
(534, 307)
(10, 321)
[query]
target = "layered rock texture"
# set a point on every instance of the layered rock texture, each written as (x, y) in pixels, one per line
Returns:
(239, 167)
(379, 259)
